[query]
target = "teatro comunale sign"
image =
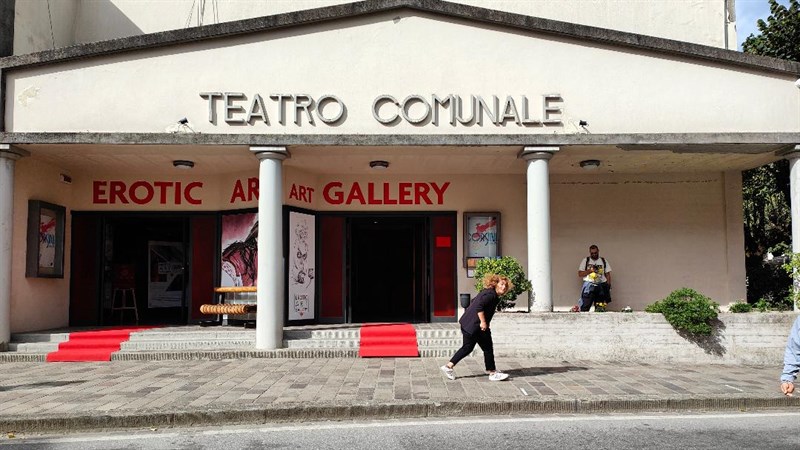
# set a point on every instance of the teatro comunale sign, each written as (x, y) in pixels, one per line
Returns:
(142, 192)
(237, 108)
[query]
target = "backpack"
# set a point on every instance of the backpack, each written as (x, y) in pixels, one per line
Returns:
(586, 264)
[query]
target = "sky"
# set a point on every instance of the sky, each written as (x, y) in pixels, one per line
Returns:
(747, 13)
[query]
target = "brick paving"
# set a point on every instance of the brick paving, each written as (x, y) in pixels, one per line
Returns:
(45, 396)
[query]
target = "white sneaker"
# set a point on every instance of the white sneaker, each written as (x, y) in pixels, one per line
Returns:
(498, 376)
(448, 372)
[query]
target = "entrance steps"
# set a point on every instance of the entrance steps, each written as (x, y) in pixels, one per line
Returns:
(752, 338)
(222, 342)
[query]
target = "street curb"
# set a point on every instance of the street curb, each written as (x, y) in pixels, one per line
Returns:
(305, 412)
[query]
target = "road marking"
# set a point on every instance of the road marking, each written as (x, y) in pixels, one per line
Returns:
(524, 392)
(734, 388)
(310, 426)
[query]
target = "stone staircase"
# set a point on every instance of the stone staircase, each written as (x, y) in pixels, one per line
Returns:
(194, 342)
(753, 338)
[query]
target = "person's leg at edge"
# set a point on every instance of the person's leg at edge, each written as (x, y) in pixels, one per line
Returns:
(486, 344)
(466, 348)
(587, 296)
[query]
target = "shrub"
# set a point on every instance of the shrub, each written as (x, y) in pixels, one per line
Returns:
(741, 307)
(508, 267)
(687, 310)
(763, 304)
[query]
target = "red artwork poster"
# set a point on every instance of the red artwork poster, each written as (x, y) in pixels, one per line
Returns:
(239, 249)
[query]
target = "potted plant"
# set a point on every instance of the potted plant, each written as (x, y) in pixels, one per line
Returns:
(506, 266)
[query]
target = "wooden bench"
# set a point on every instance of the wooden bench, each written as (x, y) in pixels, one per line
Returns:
(226, 307)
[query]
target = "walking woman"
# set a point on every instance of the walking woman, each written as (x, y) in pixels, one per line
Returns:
(475, 326)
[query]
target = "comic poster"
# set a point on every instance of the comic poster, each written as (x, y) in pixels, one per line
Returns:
(301, 266)
(239, 249)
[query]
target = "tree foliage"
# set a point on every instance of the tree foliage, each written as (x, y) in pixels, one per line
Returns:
(765, 190)
(780, 34)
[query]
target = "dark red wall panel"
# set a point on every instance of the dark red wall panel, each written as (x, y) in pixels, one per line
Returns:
(204, 235)
(332, 259)
(444, 265)
(83, 286)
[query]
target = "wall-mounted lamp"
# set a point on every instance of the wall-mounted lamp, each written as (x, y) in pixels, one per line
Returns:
(379, 165)
(590, 164)
(183, 164)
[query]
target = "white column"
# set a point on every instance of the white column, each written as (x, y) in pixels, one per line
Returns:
(8, 157)
(270, 283)
(794, 193)
(539, 257)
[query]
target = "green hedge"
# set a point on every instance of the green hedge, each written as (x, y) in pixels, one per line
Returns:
(687, 310)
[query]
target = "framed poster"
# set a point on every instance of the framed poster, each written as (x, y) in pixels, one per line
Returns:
(165, 262)
(239, 258)
(481, 237)
(46, 225)
(302, 262)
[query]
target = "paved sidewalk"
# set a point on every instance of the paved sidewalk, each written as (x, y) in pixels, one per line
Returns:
(42, 397)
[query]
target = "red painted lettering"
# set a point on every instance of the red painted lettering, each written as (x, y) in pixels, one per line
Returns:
(310, 191)
(421, 190)
(334, 197)
(440, 192)
(371, 195)
(387, 198)
(162, 190)
(355, 194)
(148, 190)
(303, 194)
(405, 194)
(252, 189)
(238, 192)
(99, 192)
(178, 192)
(293, 192)
(188, 193)
(117, 192)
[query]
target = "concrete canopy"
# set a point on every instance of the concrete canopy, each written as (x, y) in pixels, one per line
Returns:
(634, 92)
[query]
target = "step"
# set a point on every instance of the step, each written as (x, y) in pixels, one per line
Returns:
(215, 344)
(154, 335)
(32, 347)
(320, 343)
(39, 337)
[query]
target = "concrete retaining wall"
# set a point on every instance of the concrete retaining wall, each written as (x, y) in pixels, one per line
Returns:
(752, 338)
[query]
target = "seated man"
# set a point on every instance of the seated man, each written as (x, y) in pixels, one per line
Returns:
(596, 274)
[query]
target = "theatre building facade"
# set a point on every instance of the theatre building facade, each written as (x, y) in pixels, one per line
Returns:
(353, 162)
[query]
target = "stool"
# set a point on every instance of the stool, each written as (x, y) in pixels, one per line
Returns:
(125, 295)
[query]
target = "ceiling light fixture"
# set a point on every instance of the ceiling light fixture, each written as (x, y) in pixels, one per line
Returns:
(379, 165)
(590, 164)
(183, 164)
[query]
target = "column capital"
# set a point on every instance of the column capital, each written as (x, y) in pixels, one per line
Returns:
(792, 153)
(531, 153)
(11, 152)
(270, 152)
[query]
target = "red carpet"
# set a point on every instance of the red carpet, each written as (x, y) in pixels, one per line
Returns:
(97, 345)
(388, 340)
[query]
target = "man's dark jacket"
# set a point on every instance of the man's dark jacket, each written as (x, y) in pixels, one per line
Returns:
(485, 301)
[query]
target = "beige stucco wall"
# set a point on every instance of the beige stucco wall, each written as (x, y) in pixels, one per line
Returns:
(38, 303)
(659, 231)
(616, 91)
(82, 21)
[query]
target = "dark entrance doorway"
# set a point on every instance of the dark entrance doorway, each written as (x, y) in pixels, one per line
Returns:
(145, 257)
(388, 269)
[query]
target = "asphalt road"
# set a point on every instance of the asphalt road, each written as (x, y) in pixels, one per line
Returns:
(768, 430)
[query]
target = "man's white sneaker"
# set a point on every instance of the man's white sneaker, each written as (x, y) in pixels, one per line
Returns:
(498, 376)
(448, 372)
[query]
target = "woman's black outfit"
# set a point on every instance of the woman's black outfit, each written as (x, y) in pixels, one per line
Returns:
(486, 301)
